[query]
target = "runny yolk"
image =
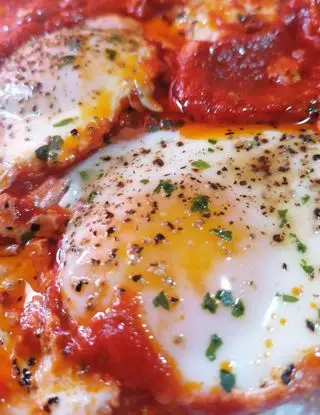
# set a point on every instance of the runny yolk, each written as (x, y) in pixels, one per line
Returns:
(174, 245)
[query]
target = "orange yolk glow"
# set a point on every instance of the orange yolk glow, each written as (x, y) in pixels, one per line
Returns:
(172, 243)
(198, 131)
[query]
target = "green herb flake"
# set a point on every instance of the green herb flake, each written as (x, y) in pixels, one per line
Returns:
(161, 301)
(110, 54)
(200, 165)
(144, 181)
(42, 152)
(308, 269)
(222, 233)
(305, 199)
(238, 308)
(166, 124)
(64, 122)
(227, 380)
(213, 142)
(210, 150)
(200, 204)
(312, 110)
(91, 196)
(84, 175)
(50, 151)
(287, 298)
(282, 215)
(225, 296)
(167, 186)
(66, 60)
(301, 247)
(209, 303)
(26, 237)
(214, 344)
(116, 38)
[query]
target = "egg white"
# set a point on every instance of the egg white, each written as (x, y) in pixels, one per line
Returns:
(81, 75)
(272, 333)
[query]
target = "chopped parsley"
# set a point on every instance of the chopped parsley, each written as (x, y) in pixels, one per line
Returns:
(301, 247)
(161, 301)
(287, 298)
(66, 60)
(312, 110)
(200, 204)
(50, 151)
(214, 344)
(227, 380)
(238, 308)
(222, 233)
(26, 237)
(209, 303)
(84, 175)
(167, 186)
(200, 165)
(110, 54)
(305, 199)
(225, 296)
(116, 38)
(91, 196)
(213, 142)
(282, 215)
(144, 181)
(307, 268)
(64, 122)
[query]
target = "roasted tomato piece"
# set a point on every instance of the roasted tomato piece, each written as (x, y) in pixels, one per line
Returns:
(270, 76)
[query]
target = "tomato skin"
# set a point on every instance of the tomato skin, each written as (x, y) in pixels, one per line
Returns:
(263, 77)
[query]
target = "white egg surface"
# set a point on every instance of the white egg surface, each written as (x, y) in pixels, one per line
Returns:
(219, 241)
(60, 93)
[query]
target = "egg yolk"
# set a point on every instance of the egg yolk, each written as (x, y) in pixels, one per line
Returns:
(167, 242)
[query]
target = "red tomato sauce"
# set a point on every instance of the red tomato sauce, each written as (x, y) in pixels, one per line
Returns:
(266, 76)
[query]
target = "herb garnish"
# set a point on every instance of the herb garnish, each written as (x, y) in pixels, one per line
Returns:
(50, 151)
(225, 296)
(282, 214)
(84, 175)
(116, 38)
(64, 122)
(91, 196)
(301, 247)
(66, 60)
(200, 165)
(238, 308)
(26, 237)
(227, 380)
(200, 204)
(305, 199)
(214, 344)
(307, 268)
(213, 142)
(287, 298)
(144, 181)
(161, 301)
(167, 186)
(222, 233)
(209, 303)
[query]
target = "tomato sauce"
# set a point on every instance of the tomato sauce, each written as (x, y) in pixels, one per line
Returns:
(266, 76)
